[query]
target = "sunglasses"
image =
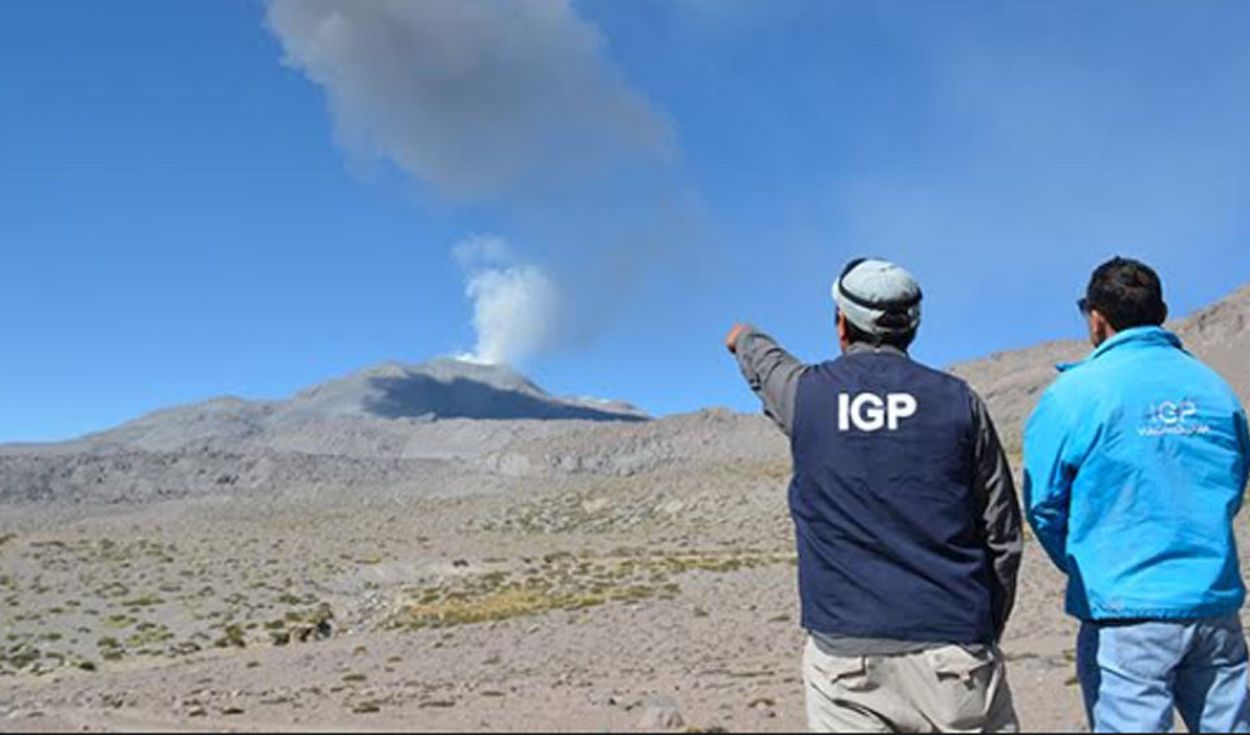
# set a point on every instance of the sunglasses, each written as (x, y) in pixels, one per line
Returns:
(1084, 306)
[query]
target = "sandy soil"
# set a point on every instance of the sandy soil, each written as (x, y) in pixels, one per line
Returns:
(543, 608)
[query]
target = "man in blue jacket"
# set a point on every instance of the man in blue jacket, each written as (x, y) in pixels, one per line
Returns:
(1135, 466)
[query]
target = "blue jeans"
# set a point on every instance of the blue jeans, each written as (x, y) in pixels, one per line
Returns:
(1135, 673)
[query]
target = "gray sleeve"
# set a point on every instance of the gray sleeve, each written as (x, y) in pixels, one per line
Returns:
(772, 373)
(1000, 511)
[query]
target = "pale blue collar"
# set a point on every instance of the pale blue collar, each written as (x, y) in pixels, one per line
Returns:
(1157, 336)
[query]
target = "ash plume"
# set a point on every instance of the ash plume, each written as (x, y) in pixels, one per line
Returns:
(514, 107)
(506, 105)
(476, 97)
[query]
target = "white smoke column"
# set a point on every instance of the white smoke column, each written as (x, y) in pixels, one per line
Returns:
(478, 97)
(516, 308)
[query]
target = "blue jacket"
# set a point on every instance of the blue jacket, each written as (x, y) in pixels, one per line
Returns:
(1136, 461)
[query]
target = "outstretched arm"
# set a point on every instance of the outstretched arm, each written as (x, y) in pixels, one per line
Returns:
(771, 372)
(1000, 512)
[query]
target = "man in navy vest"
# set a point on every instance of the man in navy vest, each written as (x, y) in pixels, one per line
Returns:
(906, 520)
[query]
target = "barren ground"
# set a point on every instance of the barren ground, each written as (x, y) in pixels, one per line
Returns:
(562, 605)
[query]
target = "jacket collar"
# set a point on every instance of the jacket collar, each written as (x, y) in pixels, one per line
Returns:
(1137, 337)
(861, 348)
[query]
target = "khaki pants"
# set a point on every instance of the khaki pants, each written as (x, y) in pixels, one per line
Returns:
(946, 689)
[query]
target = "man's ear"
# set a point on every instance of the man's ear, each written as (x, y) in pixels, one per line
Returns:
(1099, 328)
(1165, 312)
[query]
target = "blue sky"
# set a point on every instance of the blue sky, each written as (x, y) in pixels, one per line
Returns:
(181, 216)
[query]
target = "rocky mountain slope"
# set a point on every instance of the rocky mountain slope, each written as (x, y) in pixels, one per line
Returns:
(391, 394)
(393, 427)
(449, 427)
(1012, 382)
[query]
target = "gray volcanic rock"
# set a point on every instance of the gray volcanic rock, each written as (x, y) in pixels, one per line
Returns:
(1220, 334)
(714, 436)
(386, 428)
(448, 388)
(139, 477)
(369, 413)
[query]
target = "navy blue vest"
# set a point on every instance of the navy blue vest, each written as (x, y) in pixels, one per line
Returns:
(888, 527)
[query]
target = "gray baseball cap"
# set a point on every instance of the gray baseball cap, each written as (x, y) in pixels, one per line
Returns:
(879, 297)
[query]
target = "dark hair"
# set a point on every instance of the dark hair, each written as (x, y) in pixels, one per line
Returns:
(898, 340)
(1128, 293)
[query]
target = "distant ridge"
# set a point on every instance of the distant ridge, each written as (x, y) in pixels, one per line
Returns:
(1013, 382)
(450, 427)
(350, 412)
(449, 388)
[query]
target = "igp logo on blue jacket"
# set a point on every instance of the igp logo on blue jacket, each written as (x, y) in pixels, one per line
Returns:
(1135, 466)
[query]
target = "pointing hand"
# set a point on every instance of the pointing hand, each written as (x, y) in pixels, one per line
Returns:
(731, 340)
